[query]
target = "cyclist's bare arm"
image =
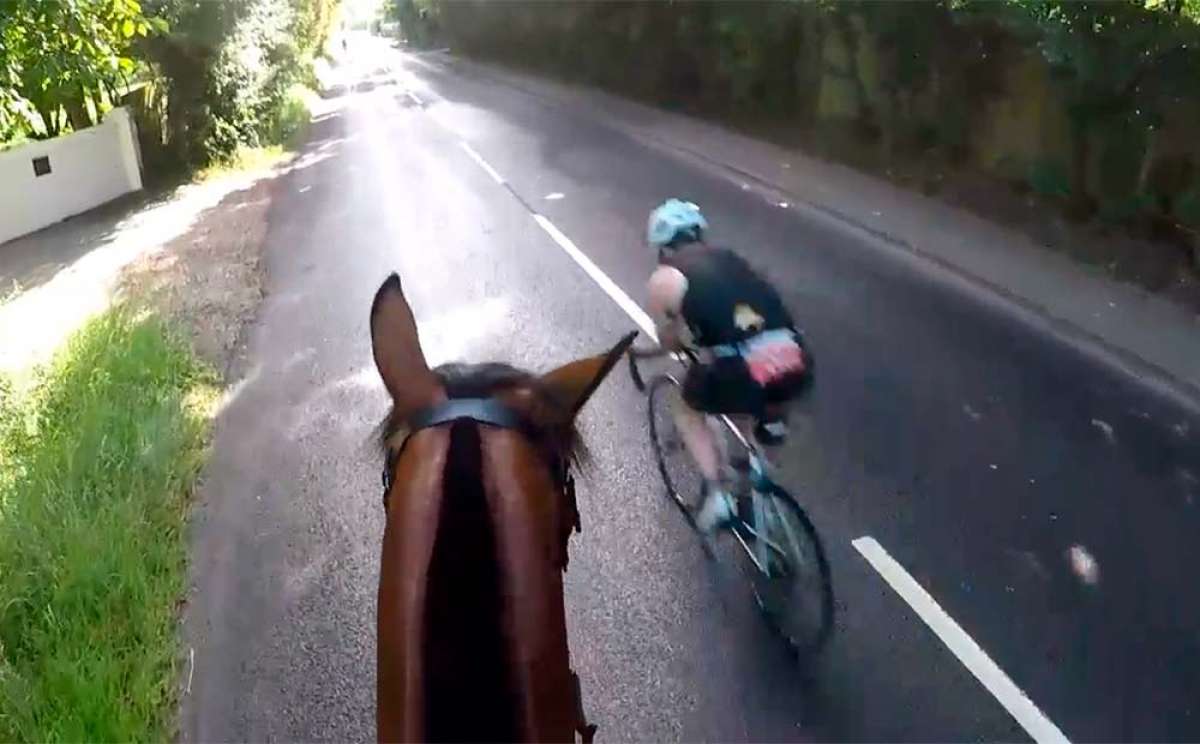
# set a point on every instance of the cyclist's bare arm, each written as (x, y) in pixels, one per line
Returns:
(666, 289)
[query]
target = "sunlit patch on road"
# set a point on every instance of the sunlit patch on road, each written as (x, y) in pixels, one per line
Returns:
(448, 336)
(1105, 428)
(1083, 565)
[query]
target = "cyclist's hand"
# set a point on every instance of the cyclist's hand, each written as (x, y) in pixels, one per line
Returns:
(647, 352)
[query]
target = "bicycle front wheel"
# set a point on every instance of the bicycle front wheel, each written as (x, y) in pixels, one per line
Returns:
(794, 592)
(679, 473)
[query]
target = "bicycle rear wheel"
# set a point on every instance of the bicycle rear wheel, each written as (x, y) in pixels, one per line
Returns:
(796, 594)
(679, 473)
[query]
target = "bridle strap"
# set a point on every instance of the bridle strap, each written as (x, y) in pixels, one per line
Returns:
(480, 410)
(487, 411)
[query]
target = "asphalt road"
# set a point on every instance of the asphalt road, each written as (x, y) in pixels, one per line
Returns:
(976, 450)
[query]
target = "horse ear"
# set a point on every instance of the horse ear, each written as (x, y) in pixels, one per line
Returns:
(574, 383)
(397, 351)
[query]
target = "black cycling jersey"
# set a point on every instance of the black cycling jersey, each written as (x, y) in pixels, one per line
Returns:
(726, 300)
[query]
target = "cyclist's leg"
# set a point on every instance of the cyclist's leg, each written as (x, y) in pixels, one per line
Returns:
(694, 425)
(719, 387)
(704, 442)
(700, 439)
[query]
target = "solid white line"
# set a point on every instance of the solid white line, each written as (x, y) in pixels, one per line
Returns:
(482, 163)
(610, 287)
(977, 662)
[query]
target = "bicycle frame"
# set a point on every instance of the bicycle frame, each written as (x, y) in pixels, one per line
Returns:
(760, 478)
(776, 523)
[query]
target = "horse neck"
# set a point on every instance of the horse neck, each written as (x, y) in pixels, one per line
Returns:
(471, 693)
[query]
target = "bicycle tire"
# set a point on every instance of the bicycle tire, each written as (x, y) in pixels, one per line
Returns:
(776, 596)
(659, 388)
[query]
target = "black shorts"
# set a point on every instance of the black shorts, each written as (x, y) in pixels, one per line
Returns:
(725, 385)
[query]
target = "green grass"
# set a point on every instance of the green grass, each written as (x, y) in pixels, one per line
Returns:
(291, 119)
(244, 160)
(97, 460)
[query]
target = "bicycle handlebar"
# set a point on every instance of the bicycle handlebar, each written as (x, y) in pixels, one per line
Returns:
(683, 356)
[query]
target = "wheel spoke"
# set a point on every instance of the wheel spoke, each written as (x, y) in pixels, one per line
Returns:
(797, 553)
(798, 599)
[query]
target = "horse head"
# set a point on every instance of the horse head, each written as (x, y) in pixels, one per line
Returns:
(472, 638)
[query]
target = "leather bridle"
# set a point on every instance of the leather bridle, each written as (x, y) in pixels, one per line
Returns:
(489, 412)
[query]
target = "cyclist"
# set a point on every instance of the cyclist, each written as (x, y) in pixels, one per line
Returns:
(751, 360)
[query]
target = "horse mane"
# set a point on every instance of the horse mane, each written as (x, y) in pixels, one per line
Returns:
(494, 379)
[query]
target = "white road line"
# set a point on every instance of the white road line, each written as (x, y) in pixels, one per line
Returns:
(977, 662)
(415, 98)
(631, 308)
(610, 287)
(482, 163)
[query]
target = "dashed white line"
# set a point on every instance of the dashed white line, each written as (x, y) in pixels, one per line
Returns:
(415, 98)
(977, 662)
(482, 163)
(610, 287)
(631, 308)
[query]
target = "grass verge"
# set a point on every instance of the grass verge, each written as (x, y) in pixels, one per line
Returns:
(246, 159)
(97, 461)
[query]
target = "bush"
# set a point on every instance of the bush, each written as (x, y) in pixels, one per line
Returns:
(290, 116)
(1187, 207)
(1049, 178)
(230, 68)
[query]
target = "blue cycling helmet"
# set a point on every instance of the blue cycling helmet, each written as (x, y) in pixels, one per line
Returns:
(675, 221)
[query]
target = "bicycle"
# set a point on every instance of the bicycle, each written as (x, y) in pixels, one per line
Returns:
(789, 571)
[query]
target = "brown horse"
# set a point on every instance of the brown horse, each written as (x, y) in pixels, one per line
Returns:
(480, 505)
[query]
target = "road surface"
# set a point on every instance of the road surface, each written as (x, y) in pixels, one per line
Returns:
(1045, 504)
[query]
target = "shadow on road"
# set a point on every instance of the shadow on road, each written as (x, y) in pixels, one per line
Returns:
(32, 260)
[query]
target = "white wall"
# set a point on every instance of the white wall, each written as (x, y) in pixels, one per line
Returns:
(87, 168)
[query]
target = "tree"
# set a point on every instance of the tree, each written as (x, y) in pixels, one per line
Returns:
(228, 65)
(1117, 60)
(312, 24)
(65, 58)
(418, 20)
